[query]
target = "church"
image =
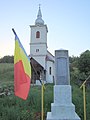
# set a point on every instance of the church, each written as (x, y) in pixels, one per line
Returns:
(42, 61)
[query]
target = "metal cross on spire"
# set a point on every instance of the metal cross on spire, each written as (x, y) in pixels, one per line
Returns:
(39, 5)
(39, 20)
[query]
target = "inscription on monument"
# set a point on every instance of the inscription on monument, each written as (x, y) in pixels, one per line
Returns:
(62, 67)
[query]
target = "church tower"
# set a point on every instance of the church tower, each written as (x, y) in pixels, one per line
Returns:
(42, 61)
(38, 40)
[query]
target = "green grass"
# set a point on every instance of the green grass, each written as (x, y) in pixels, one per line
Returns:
(6, 74)
(14, 108)
(77, 97)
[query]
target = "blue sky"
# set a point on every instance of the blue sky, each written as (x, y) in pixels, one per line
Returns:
(68, 24)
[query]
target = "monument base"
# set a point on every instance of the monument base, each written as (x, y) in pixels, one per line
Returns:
(62, 108)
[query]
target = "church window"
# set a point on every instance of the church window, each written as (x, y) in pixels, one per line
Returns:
(37, 34)
(37, 50)
(50, 70)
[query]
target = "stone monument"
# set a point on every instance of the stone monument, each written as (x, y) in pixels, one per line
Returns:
(62, 108)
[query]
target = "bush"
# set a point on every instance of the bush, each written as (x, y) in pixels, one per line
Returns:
(7, 59)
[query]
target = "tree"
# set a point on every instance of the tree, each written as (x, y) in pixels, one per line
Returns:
(73, 62)
(84, 62)
(7, 59)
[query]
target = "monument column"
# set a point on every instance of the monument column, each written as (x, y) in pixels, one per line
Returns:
(62, 108)
(62, 67)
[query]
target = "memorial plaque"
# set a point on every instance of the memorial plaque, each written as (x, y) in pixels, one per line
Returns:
(62, 67)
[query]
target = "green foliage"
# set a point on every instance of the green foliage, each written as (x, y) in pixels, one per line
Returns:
(80, 66)
(73, 62)
(74, 75)
(84, 62)
(7, 59)
(77, 98)
(77, 95)
(48, 98)
(14, 108)
(6, 73)
(88, 103)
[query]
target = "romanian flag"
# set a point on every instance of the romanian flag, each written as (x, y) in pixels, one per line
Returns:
(22, 70)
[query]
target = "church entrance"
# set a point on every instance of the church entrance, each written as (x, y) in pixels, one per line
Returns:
(37, 71)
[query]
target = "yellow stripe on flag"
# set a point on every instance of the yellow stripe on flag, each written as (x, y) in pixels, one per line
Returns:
(20, 55)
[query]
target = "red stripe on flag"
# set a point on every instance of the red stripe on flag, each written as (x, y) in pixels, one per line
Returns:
(21, 81)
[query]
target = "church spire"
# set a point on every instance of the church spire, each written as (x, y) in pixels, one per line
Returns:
(39, 20)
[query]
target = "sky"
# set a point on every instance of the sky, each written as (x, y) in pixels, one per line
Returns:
(68, 23)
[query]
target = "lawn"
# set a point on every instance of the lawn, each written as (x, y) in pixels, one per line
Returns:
(14, 108)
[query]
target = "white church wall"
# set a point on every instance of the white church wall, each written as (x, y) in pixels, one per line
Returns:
(39, 49)
(51, 56)
(43, 34)
(50, 77)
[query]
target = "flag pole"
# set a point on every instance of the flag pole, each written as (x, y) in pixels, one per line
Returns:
(42, 100)
(42, 97)
(14, 31)
(42, 93)
(84, 96)
(85, 81)
(84, 101)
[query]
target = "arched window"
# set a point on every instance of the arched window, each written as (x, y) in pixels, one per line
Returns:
(37, 34)
(50, 70)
